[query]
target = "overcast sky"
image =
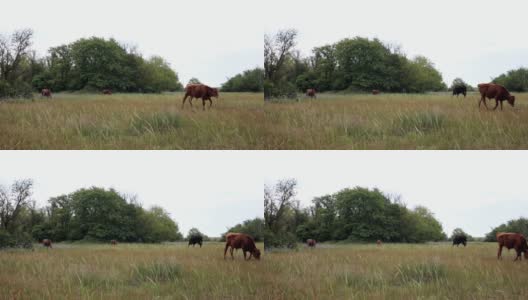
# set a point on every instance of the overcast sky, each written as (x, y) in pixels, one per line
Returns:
(472, 39)
(210, 190)
(474, 190)
(207, 39)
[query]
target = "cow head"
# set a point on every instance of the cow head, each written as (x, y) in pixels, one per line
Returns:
(214, 92)
(256, 253)
(511, 100)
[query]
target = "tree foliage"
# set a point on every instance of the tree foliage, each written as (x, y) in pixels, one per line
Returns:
(514, 80)
(248, 81)
(519, 226)
(353, 64)
(254, 228)
(357, 214)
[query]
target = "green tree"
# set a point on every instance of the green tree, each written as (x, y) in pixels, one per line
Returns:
(518, 225)
(514, 80)
(248, 81)
(254, 228)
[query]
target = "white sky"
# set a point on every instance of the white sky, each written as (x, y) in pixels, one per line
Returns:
(210, 190)
(472, 39)
(474, 190)
(207, 39)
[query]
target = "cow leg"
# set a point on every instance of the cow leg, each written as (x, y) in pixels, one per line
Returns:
(245, 255)
(210, 103)
(496, 104)
(499, 253)
(203, 103)
(190, 101)
(183, 102)
(225, 250)
(483, 100)
(232, 257)
(501, 104)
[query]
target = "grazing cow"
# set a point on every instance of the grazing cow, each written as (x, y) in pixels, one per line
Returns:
(195, 239)
(311, 243)
(200, 91)
(45, 93)
(311, 93)
(113, 242)
(46, 243)
(241, 241)
(512, 240)
(378, 242)
(459, 89)
(107, 92)
(460, 239)
(375, 92)
(495, 91)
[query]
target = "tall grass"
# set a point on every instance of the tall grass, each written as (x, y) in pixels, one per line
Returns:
(132, 121)
(397, 271)
(128, 271)
(395, 121)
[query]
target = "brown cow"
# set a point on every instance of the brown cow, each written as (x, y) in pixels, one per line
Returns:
(200, 91)
(113, 242)
(311, 243)
(512, 240)
(47, 243)
(494, 91)
(311, 93)
(375, 92)
(107, 92)
(45, 93)
(241, 241)
(378, 242)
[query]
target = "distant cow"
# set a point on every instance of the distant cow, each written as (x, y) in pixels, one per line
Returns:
(200, 91)
(460, 89)
(495, 91)
(512, 240)
(375, 92)
(460, 239)
(45, 93)
(311, 243)
(378, 242)
(107, 92)
(113, 242)
(311, 93)
(241, 241)
(195, 239)
(47, 243)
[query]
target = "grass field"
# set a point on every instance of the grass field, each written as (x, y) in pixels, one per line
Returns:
(398, 271)
(126, 271)
(392, 121)
(132, 121)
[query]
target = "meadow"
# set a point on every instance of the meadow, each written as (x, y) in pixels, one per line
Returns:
(132, 121)
(131, 271)
(398, 271)
(396, 121)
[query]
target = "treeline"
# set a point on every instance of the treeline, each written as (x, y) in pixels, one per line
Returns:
(254, 228)
(94, 214)
(356, 64)
(519, 226)
(87, 64)
(514, 80)
(247, 81)
(356, 215)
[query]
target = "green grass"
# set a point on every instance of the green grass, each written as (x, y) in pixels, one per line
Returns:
(398, 271)
(132, 121)
(396, 121)
(131, 271)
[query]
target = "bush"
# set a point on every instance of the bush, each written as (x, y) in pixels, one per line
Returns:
(16, 240)
(18, 89)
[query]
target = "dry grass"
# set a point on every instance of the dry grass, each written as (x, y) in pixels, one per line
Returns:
(397, 271)
(132, 121)
(386, 121)
(125, 271)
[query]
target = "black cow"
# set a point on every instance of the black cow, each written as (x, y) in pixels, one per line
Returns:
(195, 239)
(460, 239)
(460, 89)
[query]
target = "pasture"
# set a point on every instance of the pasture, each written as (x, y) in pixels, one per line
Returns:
(398, 271)
(131, 271)
(132, 121)
(396, 121)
